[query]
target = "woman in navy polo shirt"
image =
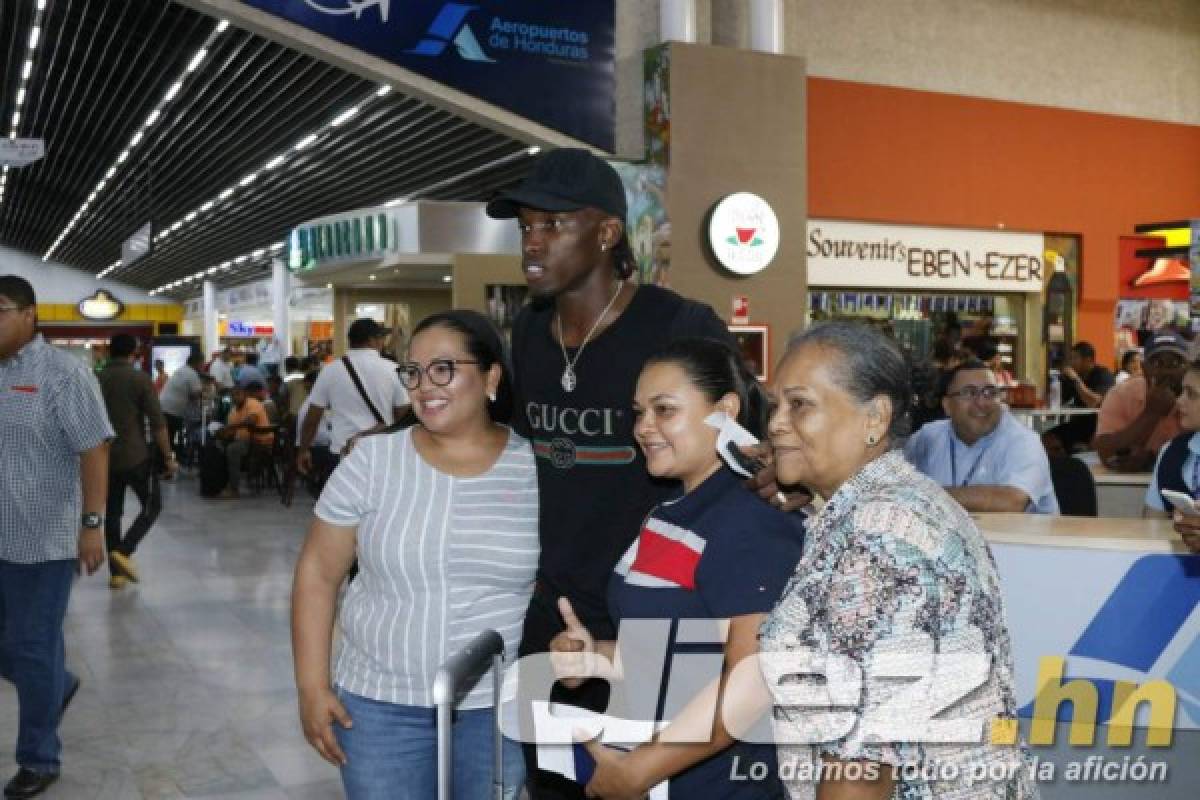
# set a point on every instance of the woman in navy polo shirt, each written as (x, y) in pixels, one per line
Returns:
(1178, 464)
(717, 552)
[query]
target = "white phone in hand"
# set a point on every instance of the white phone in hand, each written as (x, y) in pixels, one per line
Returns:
(1182, 502)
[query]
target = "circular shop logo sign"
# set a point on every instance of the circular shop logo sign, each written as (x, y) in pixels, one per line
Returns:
(100, 306)
(743, 232)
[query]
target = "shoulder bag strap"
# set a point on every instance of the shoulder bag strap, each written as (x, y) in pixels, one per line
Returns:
(362, 392)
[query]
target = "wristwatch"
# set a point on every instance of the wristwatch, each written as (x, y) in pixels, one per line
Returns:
(92, 520)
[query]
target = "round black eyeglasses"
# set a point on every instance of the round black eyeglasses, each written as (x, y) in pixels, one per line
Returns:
(440, 371)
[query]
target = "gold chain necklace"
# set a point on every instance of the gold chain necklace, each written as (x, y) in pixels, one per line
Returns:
(569, 380)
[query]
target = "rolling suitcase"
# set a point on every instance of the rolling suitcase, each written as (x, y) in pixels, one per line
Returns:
(463, 665)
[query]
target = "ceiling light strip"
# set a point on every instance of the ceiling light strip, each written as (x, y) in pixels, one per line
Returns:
(153, 117)
(278, 160)
(528, 152)
(224, 266)
(35, 37)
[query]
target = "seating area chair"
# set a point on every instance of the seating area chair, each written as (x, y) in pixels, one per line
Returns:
(1074, 487)
(285, 458)
(260, 466)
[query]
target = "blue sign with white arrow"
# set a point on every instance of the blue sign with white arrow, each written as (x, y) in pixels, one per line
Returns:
(551, 62)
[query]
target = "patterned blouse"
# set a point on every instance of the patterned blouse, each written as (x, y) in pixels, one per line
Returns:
(896, 582)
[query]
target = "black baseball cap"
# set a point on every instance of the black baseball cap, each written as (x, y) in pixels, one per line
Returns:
(566, 179)
(1166, 341)
(366, 328)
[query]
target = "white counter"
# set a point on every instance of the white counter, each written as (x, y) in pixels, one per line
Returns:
(1101, 600)
(1095, 533)
(1118, 494)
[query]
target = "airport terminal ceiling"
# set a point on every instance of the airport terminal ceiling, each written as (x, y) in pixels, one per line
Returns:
(154, 112)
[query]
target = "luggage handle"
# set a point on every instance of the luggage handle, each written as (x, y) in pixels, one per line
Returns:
(464, 664)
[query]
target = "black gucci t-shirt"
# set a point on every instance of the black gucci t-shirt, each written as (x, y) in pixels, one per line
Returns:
(592, 480)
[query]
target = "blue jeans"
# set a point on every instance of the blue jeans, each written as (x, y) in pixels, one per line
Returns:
(33, 605)
(391, 752)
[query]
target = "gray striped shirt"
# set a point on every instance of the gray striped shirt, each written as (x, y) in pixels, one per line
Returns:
(440, 558)
(50, 412)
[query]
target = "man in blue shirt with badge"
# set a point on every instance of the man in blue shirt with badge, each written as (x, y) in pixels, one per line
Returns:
(986, 459)
(54, 462)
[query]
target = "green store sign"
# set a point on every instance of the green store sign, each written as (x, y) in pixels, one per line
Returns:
(362, 237)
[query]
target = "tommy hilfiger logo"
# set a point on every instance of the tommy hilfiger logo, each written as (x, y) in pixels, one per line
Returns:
(450, 26)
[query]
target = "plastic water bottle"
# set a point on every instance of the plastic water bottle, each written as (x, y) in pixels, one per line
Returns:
(1054, 392)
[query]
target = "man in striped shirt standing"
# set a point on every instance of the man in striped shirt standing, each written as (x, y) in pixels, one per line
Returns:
(54, 458)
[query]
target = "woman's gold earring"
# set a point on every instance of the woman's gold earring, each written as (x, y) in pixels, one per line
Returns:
(871, 440)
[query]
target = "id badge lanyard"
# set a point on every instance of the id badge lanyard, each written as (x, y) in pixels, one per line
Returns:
(974, 467)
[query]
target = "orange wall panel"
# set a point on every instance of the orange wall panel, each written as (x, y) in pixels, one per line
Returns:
(899, 155)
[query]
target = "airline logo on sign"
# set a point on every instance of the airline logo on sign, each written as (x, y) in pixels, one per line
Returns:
(495, 50)
(744, 233)
(355, 7)
(450, 26)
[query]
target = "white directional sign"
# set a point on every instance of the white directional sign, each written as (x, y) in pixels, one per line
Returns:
(21, 152)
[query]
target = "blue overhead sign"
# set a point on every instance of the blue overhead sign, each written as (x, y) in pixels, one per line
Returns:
(551, 62)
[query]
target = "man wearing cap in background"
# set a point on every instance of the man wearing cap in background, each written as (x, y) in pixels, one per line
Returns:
(577, 351)
(361, 391)
(1139, 416)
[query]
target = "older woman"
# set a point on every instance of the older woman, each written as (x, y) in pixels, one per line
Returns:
(896, 584)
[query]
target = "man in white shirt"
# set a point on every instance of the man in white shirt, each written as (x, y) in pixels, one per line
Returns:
(270, 353)
(181, 392)
(985, 459)
(335, 392)
(220, 370)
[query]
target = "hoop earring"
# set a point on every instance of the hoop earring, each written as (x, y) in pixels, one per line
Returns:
(871, 440)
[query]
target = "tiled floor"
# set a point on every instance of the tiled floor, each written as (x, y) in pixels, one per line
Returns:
(187, 677)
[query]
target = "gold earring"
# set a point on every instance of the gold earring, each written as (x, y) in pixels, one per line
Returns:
(871, 440)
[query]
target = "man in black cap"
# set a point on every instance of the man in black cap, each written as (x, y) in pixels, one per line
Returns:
(360, 391)
(577, 351)
(1139, 416)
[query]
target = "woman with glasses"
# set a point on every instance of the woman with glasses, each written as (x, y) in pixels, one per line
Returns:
(442, 517)
(984, 457)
